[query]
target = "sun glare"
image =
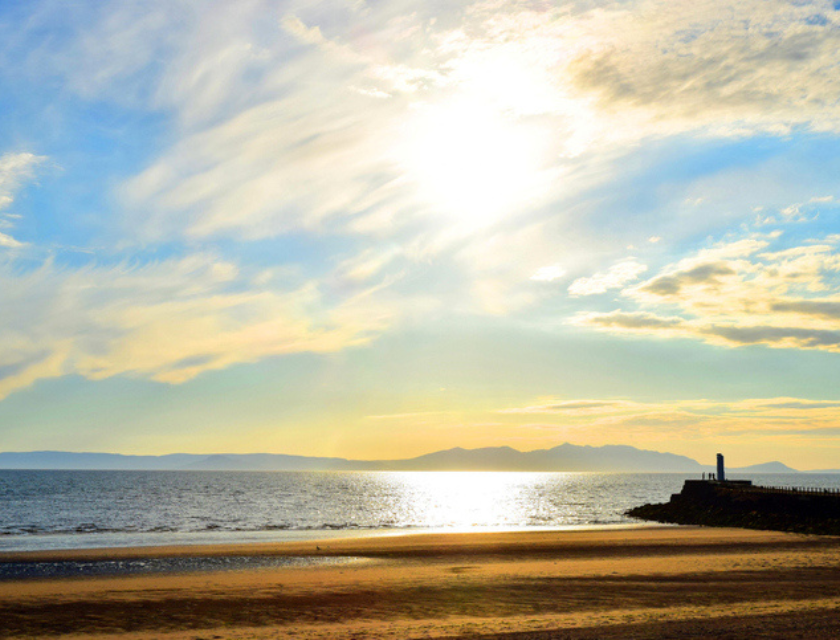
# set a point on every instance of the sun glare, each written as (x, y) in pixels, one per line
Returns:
(472, 162)
(463, 500)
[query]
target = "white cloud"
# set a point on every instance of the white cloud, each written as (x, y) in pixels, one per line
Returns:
(373, 93)
(9, 242)
(549, 273)
(615, 277)
(733, 296)
(767, 66)
(798, 212)
(309, 35)
(15, 168)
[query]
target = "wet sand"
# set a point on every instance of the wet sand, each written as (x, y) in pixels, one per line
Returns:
(637, 583)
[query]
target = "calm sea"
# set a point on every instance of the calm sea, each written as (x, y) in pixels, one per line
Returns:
(78, 509)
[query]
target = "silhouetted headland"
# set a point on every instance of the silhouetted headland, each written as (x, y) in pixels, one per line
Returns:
(718, 502)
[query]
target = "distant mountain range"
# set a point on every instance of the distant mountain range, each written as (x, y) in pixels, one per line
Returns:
(566, 457)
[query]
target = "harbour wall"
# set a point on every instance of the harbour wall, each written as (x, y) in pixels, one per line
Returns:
(741, 504)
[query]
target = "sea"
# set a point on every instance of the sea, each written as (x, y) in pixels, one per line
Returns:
(44, 510)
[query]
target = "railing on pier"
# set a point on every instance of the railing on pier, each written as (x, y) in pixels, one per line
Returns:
(791, 491)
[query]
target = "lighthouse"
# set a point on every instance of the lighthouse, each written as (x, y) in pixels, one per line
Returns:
(721, 474)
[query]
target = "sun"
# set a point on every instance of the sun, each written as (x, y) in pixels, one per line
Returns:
(471, 161)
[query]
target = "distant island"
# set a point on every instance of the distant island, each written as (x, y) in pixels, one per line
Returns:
(566, 457)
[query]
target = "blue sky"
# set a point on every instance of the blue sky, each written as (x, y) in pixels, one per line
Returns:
(381, 229)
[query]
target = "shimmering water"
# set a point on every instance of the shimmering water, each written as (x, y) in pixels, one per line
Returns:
(74, 509)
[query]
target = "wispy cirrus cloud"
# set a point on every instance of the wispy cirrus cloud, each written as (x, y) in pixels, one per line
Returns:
(549, 273)
(761, 417)
(797, 212)
(291, 118)
(15, 169)
(313, 146)
(571, 407)
(9, 242)
(343, 137)
(167, 321)
(285, 115)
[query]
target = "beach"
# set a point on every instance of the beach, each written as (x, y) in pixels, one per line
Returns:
(647, 582)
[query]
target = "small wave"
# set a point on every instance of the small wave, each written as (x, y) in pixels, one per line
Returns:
(541, 519)
(92, 527)
(340, 527)
(23, 531)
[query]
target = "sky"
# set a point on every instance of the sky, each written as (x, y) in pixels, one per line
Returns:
(379, 229)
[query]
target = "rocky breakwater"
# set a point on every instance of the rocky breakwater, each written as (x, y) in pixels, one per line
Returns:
(740, 504)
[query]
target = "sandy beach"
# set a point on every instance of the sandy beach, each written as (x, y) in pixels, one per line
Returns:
(635, 583)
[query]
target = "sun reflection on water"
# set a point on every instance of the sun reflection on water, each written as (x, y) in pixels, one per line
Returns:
(475, 499)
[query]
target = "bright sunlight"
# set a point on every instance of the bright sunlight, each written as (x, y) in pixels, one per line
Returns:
(471, 161)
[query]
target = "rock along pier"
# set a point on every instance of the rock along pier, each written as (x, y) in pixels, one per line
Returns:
(738, 503)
